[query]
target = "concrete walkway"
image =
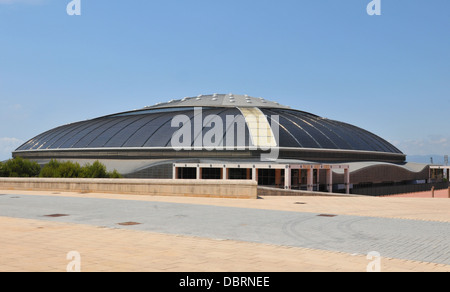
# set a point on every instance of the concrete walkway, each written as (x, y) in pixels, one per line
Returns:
(204, 235)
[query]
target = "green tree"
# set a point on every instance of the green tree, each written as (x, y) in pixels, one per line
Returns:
(56, 169)
(69, 169)
(19, 167)
(114, 174)
(1, 169)
(95, 170)
(50, 169)
(98, 170)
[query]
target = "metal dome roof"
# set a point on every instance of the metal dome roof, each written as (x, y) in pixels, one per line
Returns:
(150, 128)
(220, 100)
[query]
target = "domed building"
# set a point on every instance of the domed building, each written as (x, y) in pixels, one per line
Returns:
(237, 132)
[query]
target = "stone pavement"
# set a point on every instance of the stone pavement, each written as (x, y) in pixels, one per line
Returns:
(38, 243)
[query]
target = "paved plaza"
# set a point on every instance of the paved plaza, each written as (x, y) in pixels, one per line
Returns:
(111, 232)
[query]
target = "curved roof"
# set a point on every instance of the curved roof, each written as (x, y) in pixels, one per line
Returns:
(220, 100)
(150, 127)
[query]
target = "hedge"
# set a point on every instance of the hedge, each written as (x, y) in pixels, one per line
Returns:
(19, 167)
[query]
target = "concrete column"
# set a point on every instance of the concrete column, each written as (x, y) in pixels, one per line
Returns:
(347, 180)
(329, 180)
(199, 173)
(224, 173)
(287, 178)
(310, 179)
(174, 172)
(318, 179)
(254, 174)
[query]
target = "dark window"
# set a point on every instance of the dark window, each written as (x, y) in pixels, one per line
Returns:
(266, 177)
(187, 173)
(238, 173)
(211, 173)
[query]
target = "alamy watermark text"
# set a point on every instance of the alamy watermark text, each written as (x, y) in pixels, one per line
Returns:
(74, 8)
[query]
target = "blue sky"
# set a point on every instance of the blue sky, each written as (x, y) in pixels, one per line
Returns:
(389, 74)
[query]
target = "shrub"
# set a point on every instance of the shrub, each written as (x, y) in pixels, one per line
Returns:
(19, 167)
(114, 174)
(96, 170)
(69, 169)
(66, 169)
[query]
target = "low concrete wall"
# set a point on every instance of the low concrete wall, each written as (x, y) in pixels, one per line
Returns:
(267, 191)
(155, 187)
